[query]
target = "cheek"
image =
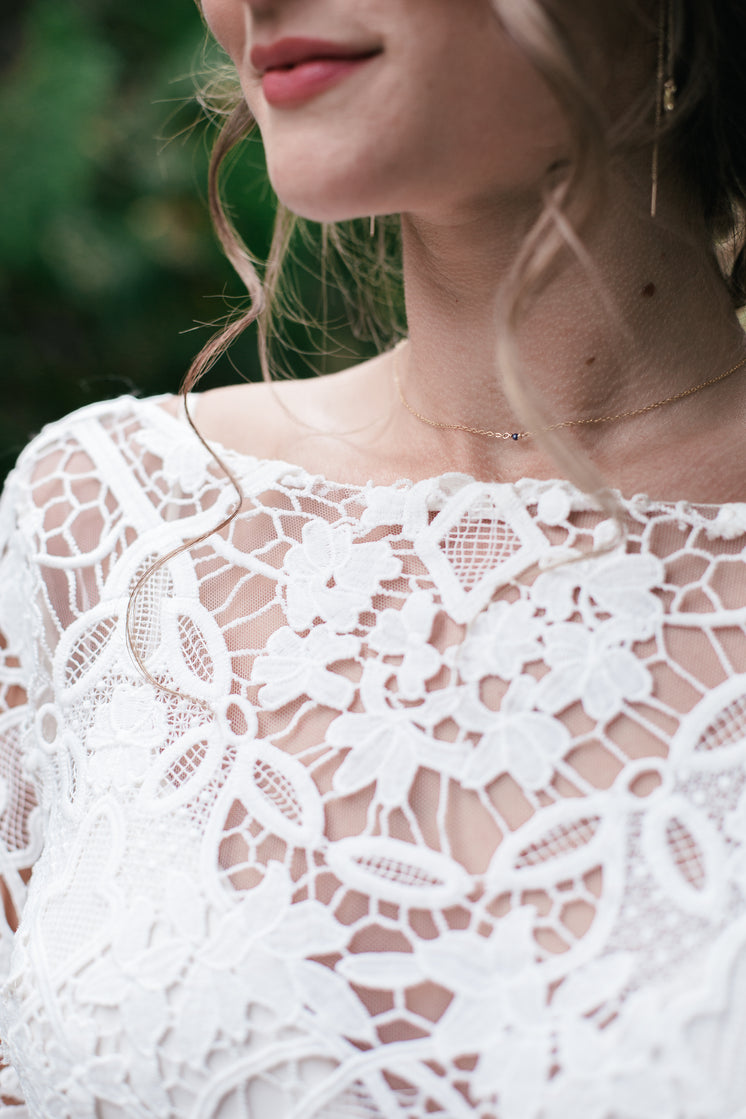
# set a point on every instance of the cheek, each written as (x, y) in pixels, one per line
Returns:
(227, 22)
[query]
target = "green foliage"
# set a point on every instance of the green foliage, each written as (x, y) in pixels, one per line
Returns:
(107, 259)
(110, 276)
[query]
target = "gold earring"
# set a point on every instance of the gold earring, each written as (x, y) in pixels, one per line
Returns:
(665, 88)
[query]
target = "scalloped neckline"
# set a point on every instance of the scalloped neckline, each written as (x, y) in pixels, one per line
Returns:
(638, 502)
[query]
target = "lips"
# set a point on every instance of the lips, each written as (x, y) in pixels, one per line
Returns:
(290, 52)
(294, 69)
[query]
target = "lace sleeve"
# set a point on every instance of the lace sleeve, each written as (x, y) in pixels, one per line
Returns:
(19, 835)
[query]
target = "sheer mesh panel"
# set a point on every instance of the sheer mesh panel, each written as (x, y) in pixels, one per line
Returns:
(437, 823)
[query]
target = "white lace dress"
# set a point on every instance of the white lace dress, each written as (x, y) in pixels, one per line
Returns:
(438, 826)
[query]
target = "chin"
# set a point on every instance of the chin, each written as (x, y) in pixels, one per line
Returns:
(321, 206)
(323, 214)
(329, 189)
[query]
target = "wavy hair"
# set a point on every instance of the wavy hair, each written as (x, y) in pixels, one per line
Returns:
(704, 141)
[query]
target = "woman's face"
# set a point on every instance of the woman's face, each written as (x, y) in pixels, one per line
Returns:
(418, 106)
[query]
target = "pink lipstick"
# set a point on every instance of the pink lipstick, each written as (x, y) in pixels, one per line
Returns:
(294, 70)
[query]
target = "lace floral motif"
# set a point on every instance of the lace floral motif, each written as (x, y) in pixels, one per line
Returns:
(437, 824)
(593, 667)
(296, 665)
(330, 579)
(517, 739)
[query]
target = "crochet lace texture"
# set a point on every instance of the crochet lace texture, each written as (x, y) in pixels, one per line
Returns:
(438, 824)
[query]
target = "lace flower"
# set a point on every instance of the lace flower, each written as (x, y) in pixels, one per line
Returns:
(180, 945)
(517, 739)
(623, 1058)
(124, 733)
(591, 667)
(104, 1077)
(332, 577)
(405, 633)
(185, 460)
(385, 746)
(499, 1009)
(294, 666)
(501, 642)
(527, 1040)
(620, 585)
(384, 505)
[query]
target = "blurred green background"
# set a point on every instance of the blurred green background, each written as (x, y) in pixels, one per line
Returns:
(110, 277)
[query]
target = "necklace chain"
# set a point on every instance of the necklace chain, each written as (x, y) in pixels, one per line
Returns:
(515, 435)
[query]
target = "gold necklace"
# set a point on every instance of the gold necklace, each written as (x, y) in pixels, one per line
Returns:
(515, 435)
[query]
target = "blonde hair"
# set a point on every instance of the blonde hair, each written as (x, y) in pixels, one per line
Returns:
(708, 110)
(706, 143)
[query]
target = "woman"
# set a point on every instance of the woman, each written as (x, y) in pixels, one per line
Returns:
(414, 797)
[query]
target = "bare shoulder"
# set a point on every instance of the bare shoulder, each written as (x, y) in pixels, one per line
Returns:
(274, 420)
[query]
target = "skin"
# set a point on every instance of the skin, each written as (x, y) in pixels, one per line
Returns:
(395, 138)
(451, 127)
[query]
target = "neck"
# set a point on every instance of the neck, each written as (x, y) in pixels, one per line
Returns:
(654, 320)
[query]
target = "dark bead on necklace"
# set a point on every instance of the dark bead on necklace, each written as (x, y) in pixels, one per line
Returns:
(514, 435)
